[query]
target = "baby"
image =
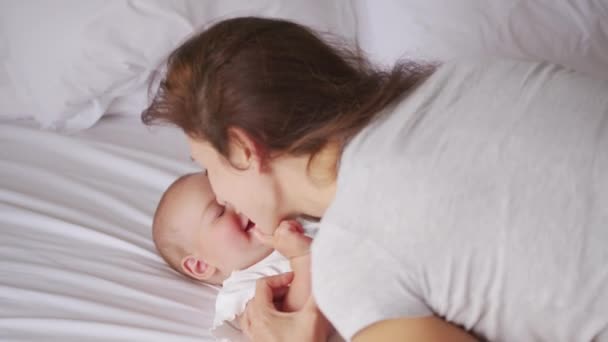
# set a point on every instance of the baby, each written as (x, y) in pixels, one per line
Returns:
(207, 241)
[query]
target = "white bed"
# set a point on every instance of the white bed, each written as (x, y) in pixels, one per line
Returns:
(76, 259)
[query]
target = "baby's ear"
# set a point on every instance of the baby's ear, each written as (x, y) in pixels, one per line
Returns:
(197, 268)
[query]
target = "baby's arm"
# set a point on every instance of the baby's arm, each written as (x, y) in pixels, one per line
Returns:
(300, 288)
(291, 242)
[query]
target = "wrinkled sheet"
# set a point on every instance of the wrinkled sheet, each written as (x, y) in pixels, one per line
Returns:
(573, 33)
(77, 262)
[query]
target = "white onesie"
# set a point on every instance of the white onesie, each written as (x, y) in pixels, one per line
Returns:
(236, 292)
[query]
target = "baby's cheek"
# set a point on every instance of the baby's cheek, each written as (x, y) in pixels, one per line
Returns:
(233, 236)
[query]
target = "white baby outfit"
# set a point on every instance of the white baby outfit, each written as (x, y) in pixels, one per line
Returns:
(236, 292)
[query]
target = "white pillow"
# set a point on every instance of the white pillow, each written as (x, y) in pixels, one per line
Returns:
(68, 61)
(572, 33)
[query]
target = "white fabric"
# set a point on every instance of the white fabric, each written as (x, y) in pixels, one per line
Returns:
(573, 33)
(65, 62)
(77, 262)
(482, 198)
(238, 290)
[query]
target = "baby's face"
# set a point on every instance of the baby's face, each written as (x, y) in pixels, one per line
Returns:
(221, 237)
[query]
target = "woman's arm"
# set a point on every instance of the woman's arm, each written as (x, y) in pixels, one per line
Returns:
(426, 329)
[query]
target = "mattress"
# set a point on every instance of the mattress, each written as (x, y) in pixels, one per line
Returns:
(76, 257)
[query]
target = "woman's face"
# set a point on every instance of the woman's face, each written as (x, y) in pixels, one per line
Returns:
(251, 192)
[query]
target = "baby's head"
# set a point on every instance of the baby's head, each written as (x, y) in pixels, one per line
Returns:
(201, 238)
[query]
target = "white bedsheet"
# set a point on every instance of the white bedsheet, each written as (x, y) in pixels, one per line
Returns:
(573, 33)
(76, 258)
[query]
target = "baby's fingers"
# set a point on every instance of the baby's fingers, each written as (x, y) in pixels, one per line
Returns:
(263, 237)
(290, 240)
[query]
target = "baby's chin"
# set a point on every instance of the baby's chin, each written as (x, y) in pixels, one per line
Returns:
(259, 257)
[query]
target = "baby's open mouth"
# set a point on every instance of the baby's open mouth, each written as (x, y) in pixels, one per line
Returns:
(250, 224)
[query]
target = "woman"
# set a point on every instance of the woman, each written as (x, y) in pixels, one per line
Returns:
(467, 199)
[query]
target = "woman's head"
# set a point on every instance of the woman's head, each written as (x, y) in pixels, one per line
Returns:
(277, 89)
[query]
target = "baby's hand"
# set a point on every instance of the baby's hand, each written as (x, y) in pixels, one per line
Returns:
(288, 239)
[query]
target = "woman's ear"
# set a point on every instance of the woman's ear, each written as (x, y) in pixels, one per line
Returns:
(244, 152)
(197, 268)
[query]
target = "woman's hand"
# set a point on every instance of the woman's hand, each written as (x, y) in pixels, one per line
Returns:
(261, 320)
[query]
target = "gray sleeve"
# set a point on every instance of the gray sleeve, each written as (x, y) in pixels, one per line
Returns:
(356, 283)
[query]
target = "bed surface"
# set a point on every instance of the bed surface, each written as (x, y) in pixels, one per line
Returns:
(76, 258)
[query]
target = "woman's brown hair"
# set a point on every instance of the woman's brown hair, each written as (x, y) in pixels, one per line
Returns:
(289, 90)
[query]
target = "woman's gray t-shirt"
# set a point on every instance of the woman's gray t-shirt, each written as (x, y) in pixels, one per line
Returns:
(482, 198)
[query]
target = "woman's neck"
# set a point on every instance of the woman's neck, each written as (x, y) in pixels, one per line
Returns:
(302, 193)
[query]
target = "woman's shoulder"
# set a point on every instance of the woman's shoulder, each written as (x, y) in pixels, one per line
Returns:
(491, 74)
(457, 88)
(450, 81)
(495, 72)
